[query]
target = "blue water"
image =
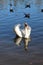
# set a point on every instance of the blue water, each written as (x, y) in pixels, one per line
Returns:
(12, 52)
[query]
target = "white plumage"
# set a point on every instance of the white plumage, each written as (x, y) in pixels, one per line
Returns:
(25, 32)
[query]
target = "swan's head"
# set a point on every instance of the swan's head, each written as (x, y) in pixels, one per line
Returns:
(25, 24)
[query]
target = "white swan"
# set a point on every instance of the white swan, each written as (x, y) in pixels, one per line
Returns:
(25, 32)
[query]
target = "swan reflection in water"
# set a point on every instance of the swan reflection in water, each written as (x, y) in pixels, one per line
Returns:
(18, 41)
(26, 42)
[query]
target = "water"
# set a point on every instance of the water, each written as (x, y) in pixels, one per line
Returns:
(18, 51)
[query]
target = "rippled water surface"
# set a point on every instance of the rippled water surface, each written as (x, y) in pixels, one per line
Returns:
(18, 51)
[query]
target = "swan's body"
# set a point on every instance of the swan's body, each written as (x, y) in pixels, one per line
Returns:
(25, 33)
